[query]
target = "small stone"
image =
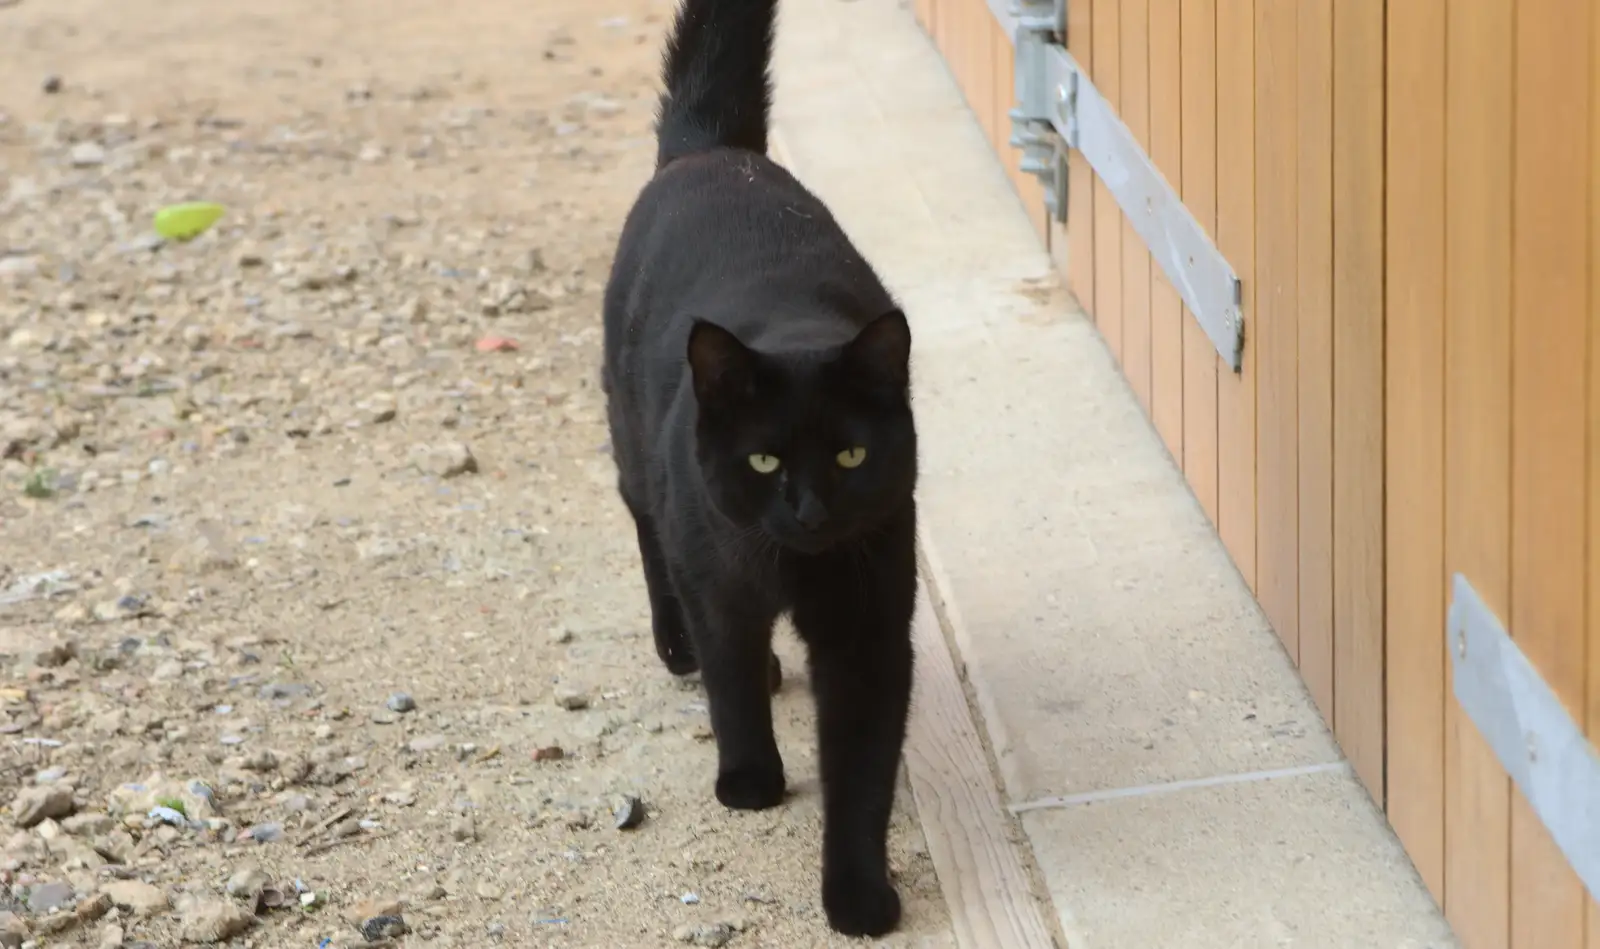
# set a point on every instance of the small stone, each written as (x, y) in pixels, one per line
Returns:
(383, 927)
(213, 921)
(449, 460)
(36, 804)
(247, 883)
(629, 812)
(704, 934)
(13, 930)
(111, 937)
(561, 635)
(50, 85)
(401, 702)
(571, 699)
(87, 155)
(136, 896)
(488, 891)
(367, 909)
(549, 753)
(92, 908)
(47, 897)
(89, 824)
(463, 830)
(55, 655)
(425, 744)
(260, 760)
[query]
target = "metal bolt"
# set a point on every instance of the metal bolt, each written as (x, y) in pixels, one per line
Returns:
(1533, 748)
(1461, 644)
(1061, 94)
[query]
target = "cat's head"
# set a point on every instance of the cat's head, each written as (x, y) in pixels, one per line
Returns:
(811, 447)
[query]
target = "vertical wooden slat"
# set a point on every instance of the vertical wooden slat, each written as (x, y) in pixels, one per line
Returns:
(1358, 386)
(1199, 93)
(1314, 338)
(1134, 108)
(1593, 500)
(1275, 337)
(1107, 76)
(1078, 242)
(1478, 123)
(1002, 82)
(1594, 425)
(980, 58)
(1166, 149)
(1550, 288)
(1236, 199)
(1414, 424)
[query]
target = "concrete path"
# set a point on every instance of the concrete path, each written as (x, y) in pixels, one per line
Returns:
(1172, 777)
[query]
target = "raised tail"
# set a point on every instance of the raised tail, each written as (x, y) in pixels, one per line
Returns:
(718, 91)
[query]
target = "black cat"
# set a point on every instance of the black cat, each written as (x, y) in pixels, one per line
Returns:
(758, 384)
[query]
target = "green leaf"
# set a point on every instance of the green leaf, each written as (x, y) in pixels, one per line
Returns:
(182, 222)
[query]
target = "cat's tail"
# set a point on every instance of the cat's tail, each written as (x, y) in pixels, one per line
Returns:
(718, 91)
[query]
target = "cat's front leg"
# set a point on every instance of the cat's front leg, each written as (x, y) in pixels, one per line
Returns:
(733, 641)
(861, 672)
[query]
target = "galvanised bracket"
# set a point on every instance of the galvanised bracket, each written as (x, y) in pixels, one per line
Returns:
(1059, 108)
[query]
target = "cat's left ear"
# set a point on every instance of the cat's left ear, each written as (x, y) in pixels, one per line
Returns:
(883, 349)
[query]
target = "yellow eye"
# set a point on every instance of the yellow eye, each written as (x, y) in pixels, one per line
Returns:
(764, 464)
(851, 457)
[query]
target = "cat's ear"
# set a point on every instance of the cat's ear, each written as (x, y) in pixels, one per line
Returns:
(882, 349)
(723, 367)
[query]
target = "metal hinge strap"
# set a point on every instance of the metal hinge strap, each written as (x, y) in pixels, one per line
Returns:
(1059, 108)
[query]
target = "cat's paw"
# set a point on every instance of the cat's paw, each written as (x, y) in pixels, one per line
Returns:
(751, 789)
(681, 663)
(857, 907)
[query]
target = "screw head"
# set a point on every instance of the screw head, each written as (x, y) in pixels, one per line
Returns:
(1461, 644)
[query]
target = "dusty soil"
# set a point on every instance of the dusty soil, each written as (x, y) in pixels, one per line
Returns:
(313, 585)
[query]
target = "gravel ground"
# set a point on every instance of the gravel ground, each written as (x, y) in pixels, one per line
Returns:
(320, 622)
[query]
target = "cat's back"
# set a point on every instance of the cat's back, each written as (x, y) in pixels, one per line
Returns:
(730, 236)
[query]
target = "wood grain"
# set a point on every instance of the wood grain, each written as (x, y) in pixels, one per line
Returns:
(1314, 338)
(1478, 117)
(981, 873)
(1358, 192)
(1198, 41)
(1275, 337)
(1166, 150)
(1236, 238)
(1107, 77)
(1549, 464)
(1414, 422)
(1078, 245)
(1134, 109)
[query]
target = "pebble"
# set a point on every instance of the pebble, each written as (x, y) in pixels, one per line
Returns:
(383, 927)
(247, 883)
(111, 937)
(571, 699)
(549, 753)
(87, 155)
(560, 635)
(704, 934)
(629, 812)
(51, 84)
(137, 896)
(401, 702)
(13, 930)
(46, 897)
(450, 460)
(212, 921)
(463, 830)
(36, 804)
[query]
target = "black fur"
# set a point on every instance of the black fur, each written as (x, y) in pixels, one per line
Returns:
(740, 321)
(718, 92)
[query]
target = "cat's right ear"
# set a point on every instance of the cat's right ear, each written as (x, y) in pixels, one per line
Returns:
(723, 368)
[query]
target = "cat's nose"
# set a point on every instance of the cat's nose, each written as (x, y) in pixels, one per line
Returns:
(811, 514)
